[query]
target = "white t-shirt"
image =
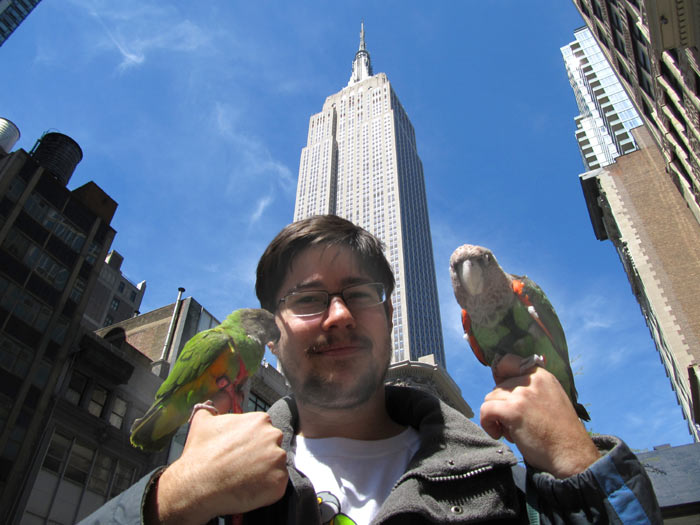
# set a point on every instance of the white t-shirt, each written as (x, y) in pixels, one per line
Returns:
(354, 477)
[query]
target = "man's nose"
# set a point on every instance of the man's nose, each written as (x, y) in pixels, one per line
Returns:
(338, 314)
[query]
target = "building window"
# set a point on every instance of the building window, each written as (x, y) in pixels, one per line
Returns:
(121, 287)
(116, 418)
(57, 453)
(68, 463)
(99, 477)
(79, 463)
(132, 296)
(256, 404)
(122, 479)
(115, 304)
(97, 401)
(15, 357)
(109, 320)
(76, 388)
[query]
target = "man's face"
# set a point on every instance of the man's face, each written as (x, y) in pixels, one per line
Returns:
(338, 358)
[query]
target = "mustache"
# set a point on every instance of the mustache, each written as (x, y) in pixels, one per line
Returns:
(325, 341)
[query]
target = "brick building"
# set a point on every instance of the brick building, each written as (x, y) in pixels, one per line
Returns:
(648, 201)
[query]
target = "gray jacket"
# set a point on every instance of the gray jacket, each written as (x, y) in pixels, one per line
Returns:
(458, 475)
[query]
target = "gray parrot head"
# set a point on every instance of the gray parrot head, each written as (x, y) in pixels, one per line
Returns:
(474, 270)
(260, 324)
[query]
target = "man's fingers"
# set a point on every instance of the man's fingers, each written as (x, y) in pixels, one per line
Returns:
(222, 402)
(511, 365)
(491, 415)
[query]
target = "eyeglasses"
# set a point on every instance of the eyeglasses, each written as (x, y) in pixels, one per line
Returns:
(314, 302)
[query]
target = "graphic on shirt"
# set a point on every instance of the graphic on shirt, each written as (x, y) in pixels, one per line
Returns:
(329, 506)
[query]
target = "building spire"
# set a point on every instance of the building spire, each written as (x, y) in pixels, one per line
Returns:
(362, 36)
(361, 65)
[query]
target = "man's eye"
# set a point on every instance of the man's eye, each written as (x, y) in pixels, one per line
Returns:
(306, 300)
(358, 294)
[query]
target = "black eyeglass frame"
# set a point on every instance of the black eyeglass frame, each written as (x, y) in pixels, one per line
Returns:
(380, 289)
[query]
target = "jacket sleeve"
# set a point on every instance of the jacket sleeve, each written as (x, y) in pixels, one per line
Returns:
(615, 489)
(127, 507)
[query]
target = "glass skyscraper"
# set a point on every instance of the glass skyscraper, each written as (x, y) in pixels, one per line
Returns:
(607, 114)
(361, 163)
(12, 12)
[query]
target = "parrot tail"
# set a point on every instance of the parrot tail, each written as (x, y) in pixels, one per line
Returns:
(155, 429)
(581, 412)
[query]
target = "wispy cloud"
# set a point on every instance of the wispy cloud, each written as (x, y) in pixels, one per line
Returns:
(252, 155)
(260, 208)
(136, 30)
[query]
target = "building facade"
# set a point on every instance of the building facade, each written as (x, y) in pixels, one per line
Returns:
(53, 242)
(12, 12)
(653, 47)
(114, 297)
(632, 192)
(361, 163)
(84, 457)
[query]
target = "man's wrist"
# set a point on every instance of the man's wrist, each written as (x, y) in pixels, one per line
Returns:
(150, 504)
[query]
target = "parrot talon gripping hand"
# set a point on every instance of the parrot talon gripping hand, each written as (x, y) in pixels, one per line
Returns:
(208, 405)
(204, 367)
(507, 314)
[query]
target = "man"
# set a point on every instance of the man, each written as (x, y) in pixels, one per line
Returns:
(347, 448)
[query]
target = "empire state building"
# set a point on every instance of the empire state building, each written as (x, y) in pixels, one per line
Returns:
(361, 163)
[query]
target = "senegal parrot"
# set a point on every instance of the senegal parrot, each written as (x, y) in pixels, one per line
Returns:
(222, 358)
(507, 314)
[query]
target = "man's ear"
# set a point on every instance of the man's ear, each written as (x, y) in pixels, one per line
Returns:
(271, 346)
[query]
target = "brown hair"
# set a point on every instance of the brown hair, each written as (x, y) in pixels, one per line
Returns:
(318, 230)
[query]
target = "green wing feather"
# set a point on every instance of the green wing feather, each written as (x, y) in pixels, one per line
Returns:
(173, 403)
(557, 359)
(241, 336)
(194, 359)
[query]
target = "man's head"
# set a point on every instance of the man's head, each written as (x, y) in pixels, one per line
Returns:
(336, 358)
(319, 230)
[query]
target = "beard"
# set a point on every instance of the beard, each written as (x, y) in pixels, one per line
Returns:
(329, 387)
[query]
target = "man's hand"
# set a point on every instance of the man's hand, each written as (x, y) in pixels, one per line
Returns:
(231, 464)
(531, 409)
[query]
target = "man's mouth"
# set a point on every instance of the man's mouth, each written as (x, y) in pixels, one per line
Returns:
(331, 348)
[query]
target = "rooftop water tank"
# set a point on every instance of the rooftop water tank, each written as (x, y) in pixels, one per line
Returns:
(57, 153)
(9, 135)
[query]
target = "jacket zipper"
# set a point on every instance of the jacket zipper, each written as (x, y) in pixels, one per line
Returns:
(452, 477)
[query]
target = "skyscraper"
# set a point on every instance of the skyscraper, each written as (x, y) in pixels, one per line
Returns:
(361, 163)
(635, 173)
(653, 48)
(12, 12)
(607, 114)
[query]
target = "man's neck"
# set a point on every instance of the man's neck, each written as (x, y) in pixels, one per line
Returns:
(369, 421)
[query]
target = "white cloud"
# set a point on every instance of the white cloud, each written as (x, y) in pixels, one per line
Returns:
(137, 30)
(260, 208)
(252, 156)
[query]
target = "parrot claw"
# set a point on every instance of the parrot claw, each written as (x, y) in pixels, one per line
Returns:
(531, 362)
(208, 405)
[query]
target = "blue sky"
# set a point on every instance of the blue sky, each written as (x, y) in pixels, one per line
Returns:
(192, 116)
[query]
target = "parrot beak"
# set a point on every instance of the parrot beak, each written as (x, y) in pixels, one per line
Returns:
(471, 277)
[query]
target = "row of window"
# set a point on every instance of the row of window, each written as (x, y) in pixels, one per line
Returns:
(85, 465)
(96, 399)
(26, 307)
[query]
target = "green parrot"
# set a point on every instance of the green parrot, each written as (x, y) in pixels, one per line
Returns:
(221, 358)
(504, 313)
